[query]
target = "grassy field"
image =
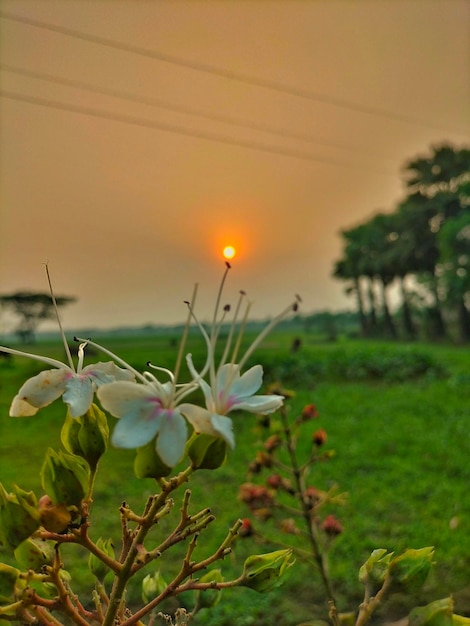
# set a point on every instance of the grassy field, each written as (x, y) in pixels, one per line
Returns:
(397, 418)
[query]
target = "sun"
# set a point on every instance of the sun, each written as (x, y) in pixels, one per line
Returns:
(229, 252)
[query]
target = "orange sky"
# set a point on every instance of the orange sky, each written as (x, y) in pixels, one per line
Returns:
(278, 124)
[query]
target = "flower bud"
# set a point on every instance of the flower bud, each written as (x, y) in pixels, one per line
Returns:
(246, 529)
(86, 436)
(65, 478)
(18, 516)
(148, 464)
(152, 586)
(34, 553)
(410, 570)
(206, 452)
(53, 517)
(209, 597)
(272, 442)
(331, 526)
(263, 571)
(374, 570)
(95, 565)
(437, 613)
(309, 412)
(319, 437)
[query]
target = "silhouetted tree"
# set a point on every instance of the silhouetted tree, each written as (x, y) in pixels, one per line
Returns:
(32, 309)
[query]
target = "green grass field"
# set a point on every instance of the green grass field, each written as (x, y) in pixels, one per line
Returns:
(397, 417)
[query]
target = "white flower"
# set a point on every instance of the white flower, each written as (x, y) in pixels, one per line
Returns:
(230, 392)
(76, 386)
(144, 411)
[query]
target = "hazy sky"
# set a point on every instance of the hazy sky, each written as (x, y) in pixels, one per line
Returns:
(166, 129)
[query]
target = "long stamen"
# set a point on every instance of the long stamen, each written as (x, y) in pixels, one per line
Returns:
(206, 339)
(268, 329)
(240, 333)
(36, 357)
(162, 369)
(232, 330)
(56, 309)
(184, 338)
(136, 373)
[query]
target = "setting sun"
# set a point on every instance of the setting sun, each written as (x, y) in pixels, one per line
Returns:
(229, 252)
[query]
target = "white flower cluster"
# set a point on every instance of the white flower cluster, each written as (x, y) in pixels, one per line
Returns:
(147, 407)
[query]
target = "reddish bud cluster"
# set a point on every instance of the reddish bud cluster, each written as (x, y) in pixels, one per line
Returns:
(332, 526)
(246, 529)
(257, 497)
(263, 459)
(311, 497)
(319, 437)
(309, 412)
(272, 443)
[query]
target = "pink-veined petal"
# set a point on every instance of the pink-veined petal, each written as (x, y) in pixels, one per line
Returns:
(258, 404)
(41, 390)
(172, 437)
(137, 427)
(120, 397)
(223, 426)
(78, 394)
(103, 373)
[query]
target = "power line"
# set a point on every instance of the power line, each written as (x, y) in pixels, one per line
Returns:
(180, 130)
(219, 72)
(154, 102)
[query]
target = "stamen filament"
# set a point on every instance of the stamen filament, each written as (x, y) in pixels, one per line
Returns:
(184, 338)
(37, 357)
(232, 329)
(113, 356)
(266, 331)
(56, 309)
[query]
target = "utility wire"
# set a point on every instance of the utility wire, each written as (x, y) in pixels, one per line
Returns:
(220, 72)
(180, 130)
(154, 102)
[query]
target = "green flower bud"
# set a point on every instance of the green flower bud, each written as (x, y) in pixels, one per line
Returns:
(8, 577)
(437, 613)
(374, 570)
(206, 452)
(262, 572)
(86, 436)
(410, 570)
(148, 464)
(65, 478)
(152, 586)
(95, 565)
(34, 553)
(210, 597)
(18, 516)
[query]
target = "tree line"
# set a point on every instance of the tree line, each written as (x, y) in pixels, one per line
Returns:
(421, 248)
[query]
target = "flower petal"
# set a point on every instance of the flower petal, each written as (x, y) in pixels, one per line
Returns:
(136, 428)
(78, 394)
(102, 373)
(119, 397)
(258, 404)
(41, 390)
(139, 408)
(172, 437)
(224, 428)
(21, 408)
(199, 418)
(248, 383)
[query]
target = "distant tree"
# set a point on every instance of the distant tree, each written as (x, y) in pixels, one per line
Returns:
(32, 309)
(454, 246)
